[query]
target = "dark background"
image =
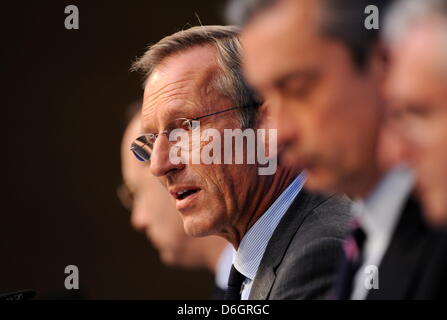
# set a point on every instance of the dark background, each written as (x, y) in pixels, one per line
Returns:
(64, 93)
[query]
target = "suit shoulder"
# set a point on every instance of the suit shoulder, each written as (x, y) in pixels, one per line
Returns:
(309, 264)
(328, 217)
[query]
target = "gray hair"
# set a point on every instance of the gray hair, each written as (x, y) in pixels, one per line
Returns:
(229, 81)
(408, 12)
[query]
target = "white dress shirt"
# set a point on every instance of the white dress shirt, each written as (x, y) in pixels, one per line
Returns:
(378, 216)
(252, 247)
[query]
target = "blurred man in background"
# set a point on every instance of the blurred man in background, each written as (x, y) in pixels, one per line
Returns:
(325, 86)
(154, 213)
(417, 34)
(287, 241)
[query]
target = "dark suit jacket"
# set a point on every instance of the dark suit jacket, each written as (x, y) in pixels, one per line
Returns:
(415, 263)
(301, 258)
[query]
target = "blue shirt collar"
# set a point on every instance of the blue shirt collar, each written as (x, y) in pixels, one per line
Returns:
(252, 247)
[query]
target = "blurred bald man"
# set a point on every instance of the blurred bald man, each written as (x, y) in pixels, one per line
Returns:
(417, 33)
(154, 214)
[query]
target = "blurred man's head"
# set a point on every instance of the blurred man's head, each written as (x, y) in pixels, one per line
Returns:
(417, 33)
(321, 71)
(191, 74)
(154, 213)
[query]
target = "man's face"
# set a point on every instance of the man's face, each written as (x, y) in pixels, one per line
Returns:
(216, 194)
(327, 111)
(153, 211)
(418, 90)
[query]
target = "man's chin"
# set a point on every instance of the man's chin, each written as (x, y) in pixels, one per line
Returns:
(194, 228)
(197, 232)
(168, 260)
(200, 225)
(289, 158)
(320, 181)
(171, 259)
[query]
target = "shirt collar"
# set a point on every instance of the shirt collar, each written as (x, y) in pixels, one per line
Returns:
(223, 267)
(252, 247)
(380, 211)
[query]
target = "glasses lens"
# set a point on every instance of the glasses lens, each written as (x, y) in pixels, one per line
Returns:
(142, 147)
(186, 124)
(140, 153)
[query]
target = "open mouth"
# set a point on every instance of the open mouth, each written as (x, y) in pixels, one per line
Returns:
(183, 194)
(186, 197)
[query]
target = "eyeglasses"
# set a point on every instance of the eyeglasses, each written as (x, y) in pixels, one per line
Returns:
(142, 146)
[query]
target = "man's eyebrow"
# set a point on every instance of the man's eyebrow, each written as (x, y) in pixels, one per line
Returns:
(169, 113)
(173, 112)
(305, 75)
(144, 127)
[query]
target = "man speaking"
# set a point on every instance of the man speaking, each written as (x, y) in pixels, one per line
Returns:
(287, 241)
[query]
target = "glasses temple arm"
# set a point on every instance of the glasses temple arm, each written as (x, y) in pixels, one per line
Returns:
(215, 113)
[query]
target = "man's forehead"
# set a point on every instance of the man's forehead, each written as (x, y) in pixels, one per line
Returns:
(194, 61)
(152, 116)
(268, 40)
(161, 91)
(420, 52)
(425, 38)
(178, 84)
(417, 76)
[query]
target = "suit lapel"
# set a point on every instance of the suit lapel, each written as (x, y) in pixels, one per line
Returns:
(278, 244)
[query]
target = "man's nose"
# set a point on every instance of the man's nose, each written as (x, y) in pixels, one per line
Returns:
(391, 148)
(287, 130)
(407, 151)
(161, 164)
